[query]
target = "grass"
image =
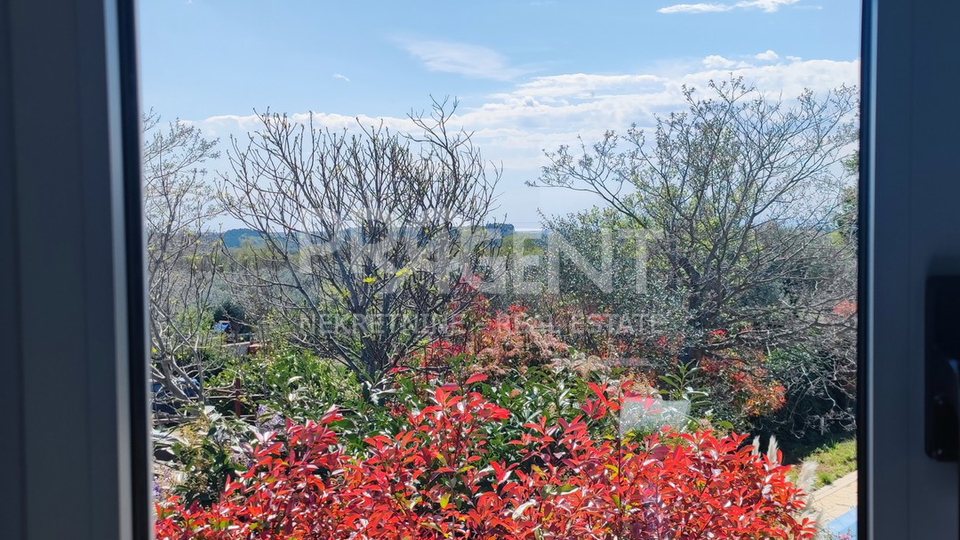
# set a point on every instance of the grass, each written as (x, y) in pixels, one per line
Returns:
(835, 460)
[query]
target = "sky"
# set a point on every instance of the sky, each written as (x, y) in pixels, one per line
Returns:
(529, 75)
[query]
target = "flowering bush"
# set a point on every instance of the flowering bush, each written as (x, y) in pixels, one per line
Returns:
(435, 481)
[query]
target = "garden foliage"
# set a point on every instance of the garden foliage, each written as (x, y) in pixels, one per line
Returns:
(436, 480)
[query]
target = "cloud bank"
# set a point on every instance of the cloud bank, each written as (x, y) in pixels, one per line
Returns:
(513, 128)
(768, 6)
(542, 112)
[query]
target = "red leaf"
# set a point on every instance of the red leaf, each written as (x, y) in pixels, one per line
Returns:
(479, 377)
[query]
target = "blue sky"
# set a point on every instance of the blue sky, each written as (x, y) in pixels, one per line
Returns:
(530, 75)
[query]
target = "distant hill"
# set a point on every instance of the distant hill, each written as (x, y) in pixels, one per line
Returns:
(235, 238)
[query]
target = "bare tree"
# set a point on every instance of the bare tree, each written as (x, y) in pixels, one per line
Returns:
(178, 205)
(741, 192)
(369, 237)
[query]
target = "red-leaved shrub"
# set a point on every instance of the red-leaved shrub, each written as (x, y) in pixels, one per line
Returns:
(494, 344)
(513, 341)
(751, 389)
(434, 481)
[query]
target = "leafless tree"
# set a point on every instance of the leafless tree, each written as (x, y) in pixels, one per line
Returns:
(742, 192)
(178, 205)
(369, 236)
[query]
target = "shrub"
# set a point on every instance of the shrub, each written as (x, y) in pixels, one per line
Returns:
(750, 390)
(497, 344)
(436, 480)
(292, 382)
(514, 341)
(821, 400)
(206, 453)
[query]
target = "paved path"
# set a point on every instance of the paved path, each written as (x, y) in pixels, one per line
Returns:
(836, 500)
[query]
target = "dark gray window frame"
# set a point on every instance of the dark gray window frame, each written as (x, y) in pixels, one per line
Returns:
(911, 190)
(72, 302)
(73, 388)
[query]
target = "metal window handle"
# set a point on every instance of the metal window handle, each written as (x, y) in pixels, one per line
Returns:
(943, 440)
(942, 370)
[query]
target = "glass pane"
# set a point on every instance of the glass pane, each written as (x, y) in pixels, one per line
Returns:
(536, 269)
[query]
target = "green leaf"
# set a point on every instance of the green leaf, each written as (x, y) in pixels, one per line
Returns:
(520, 509)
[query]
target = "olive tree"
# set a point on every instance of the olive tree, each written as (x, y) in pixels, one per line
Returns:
(369, 235)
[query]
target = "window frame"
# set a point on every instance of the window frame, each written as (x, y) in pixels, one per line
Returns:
(908, 171)
(75, 385)
(73, 291)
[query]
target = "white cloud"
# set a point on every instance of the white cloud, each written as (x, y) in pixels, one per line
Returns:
(715, 61)
(695, 8)
(768, 6)
(768, 56)
(238, 125)
(463, 58)
(343, 78)
(514, 127)
(579, 86)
